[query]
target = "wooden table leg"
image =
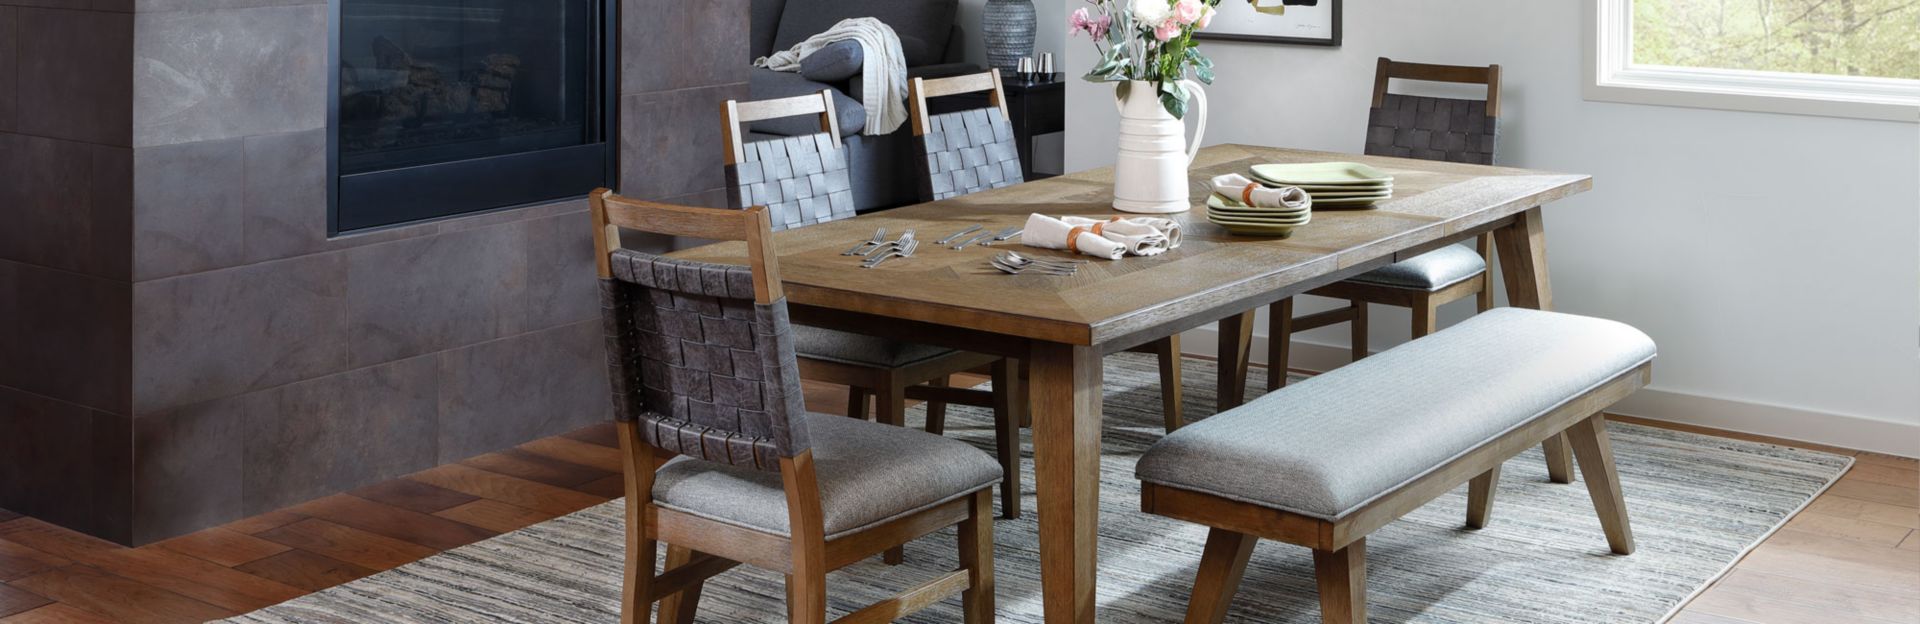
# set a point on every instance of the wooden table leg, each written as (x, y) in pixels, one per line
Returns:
(1065, 386)
(1236, 343)
(1521, 249)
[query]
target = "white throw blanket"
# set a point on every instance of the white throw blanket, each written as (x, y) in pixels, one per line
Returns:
(1108, 238)
(883, 73)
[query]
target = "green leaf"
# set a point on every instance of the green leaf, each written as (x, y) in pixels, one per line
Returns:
(1175, 106)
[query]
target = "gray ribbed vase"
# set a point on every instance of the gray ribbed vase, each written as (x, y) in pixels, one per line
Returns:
(1008, 27)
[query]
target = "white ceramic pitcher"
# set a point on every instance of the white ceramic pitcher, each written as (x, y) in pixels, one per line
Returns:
(1150, 172)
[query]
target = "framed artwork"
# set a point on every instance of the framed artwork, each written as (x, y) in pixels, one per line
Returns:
(1303, 22)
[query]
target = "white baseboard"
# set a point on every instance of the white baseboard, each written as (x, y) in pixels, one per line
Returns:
(1854, 432)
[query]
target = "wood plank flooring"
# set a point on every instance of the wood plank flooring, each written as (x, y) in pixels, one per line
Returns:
(1853, 555)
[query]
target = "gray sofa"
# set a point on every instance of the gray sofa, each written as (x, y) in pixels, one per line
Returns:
(880, 166)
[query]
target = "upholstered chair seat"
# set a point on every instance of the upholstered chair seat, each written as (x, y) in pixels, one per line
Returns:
(869, 473)
(861, 350)
(1429, 271)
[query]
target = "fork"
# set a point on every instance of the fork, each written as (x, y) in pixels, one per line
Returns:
(902, 251)
(879, 235)
(891, 245)
(1013, 257)
(1037, 268)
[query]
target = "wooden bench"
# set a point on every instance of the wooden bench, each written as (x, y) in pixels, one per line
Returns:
(1325, 462)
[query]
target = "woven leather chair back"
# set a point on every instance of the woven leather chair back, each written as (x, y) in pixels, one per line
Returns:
(1434, 128)
(701, 366)
(802, 180)
(963, 151)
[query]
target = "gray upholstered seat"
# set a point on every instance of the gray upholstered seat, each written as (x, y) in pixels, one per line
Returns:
(851, 348)
(1429, 271)
(1325, 446)
(868, 473)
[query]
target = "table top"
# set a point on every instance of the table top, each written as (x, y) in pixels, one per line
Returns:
(1112, 300)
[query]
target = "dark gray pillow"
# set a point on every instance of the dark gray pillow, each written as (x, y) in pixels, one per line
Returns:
(836, 62)
(923, 25)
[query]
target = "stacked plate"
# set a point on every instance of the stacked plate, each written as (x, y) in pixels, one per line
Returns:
(1239, 218)
(1331, 184)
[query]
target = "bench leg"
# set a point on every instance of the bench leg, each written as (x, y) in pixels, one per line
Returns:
(1480, 498)
(1595, 453)
(1342, 577)
(1221, 566)
(1559, 461)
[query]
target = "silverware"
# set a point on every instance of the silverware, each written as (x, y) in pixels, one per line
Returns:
(903, 251)
(1015, 258)
(1015, 263)
(1004, 235)
(1015, 269)
(977, 238)
(956, 235)
(890, 245)
(878, 236)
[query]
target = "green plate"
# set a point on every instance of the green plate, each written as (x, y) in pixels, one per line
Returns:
(1254, 217)
(1326, 173)
(1325, 195)
(1346, 203)
(1310, 188)
(1276, 231)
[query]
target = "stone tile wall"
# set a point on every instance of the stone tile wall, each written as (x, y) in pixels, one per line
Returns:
(193, 347)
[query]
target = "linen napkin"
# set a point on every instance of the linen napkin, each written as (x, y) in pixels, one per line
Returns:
(1239, 188)
(1049, 233)
(1143, 236)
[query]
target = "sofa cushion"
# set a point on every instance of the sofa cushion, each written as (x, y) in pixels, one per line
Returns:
(923, 25)
(834, 63)
(868, 473)
(1328, 445)
(766, 84)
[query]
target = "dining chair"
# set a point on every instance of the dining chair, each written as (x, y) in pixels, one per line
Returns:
(971, 150)
(1409, 126)
(802, 180)
(702, 363)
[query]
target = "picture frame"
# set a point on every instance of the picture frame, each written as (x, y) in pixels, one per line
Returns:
(1317, 24)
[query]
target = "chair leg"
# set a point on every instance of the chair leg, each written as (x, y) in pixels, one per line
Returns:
(937, 410)
(1595, 452)
(1342, 577)
(1221, 565)
(679, 608)
(637, 577)
(1359, 326)
(1480, 498)
(1236, 338)
(857, 402)
(1483, 300)
(807, 598)
(1426, 316)
(1006, 435)
(890, 408)
(1559, 460)
(1168, 351)
(1279, 343)
(1023, 398)
(976, 556)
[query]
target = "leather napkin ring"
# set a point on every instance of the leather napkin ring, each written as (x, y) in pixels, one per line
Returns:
(1246, 194)
(1073, 235)
(1099, 229)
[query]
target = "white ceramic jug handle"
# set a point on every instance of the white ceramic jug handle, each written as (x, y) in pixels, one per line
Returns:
(1200, 128)
(1118, 103)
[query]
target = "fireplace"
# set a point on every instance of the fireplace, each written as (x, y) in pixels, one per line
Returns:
(448, 107)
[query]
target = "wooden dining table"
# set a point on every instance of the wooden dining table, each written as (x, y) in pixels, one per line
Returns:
(1060, 327)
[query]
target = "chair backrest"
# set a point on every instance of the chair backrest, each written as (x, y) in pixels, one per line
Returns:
(1433, 128)
(802, 180)
(962, 151)
(700, 355)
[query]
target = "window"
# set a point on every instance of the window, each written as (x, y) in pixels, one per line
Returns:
(1845, 58)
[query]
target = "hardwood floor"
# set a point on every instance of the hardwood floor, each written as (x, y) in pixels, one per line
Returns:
(1853, 555)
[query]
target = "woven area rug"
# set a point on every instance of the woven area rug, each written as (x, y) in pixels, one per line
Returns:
(1697, 504)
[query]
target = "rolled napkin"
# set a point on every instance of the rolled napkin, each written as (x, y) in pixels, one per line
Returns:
(1139, 235)
(1049, 233)
(1246, 191)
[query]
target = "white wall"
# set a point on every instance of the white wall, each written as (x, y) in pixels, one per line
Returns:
(1774, 258)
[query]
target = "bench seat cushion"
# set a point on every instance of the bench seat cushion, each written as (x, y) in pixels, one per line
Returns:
(868, 473)
(1328, 445)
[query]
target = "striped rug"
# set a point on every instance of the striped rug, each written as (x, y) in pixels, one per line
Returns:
(1697, 504)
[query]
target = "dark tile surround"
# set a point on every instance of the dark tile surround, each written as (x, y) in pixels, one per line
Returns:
(186, 346)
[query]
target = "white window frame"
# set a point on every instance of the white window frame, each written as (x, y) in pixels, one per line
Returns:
(1610, 77)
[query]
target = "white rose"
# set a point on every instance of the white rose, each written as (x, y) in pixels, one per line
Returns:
(1150, 13)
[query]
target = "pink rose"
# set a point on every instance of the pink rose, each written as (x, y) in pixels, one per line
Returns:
(1206, 17)
(1095, 27)
(1188, 11)
(1167, 30)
